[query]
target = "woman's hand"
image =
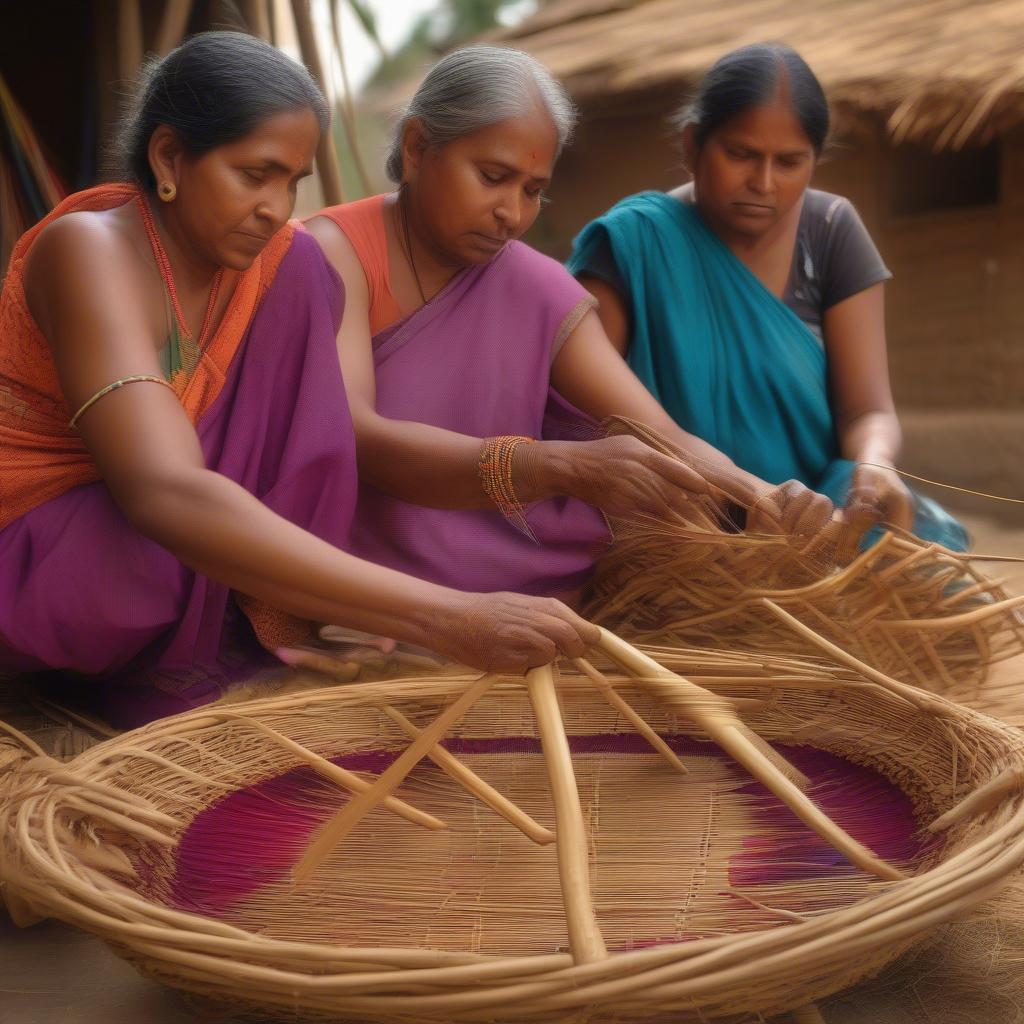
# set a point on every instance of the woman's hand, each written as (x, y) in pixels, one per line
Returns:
(508, 632)
(499, 632)
(790, 508)
(878, 495)
(622, 476)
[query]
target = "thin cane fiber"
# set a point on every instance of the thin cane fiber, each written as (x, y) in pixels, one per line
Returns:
(701, 895)
(914, 611)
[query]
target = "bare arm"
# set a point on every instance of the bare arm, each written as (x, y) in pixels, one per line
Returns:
(612, 311)
(427, 465)
(149, 457)
(591, 374)
(416, 462)
(866, 421)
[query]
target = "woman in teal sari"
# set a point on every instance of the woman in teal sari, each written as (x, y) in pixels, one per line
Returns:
(752, 306)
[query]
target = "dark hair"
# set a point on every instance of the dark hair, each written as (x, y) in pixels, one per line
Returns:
(750, 77)
(213, 89)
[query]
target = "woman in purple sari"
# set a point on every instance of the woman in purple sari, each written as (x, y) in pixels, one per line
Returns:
(173, 423)
(469, 357)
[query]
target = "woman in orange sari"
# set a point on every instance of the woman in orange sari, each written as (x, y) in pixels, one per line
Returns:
(173, 423)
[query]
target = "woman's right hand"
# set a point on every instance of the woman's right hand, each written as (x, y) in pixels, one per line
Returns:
(790, 508)
(506, 632)
(620, 475)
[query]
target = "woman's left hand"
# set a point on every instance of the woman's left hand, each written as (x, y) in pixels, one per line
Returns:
(878, 495)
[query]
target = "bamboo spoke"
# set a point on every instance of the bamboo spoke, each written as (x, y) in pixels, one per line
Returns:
(918, 698)
(341, 776)
(472, 782)
(726, 730)
(335, 831)
(982, 799)
(610, 694)
(585, 937)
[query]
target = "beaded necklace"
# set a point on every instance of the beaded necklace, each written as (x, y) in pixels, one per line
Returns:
(164, 266)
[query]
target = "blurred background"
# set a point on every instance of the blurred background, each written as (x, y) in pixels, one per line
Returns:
(928, 106)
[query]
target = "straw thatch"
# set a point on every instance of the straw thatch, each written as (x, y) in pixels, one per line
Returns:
(464, 923)
(950, 71)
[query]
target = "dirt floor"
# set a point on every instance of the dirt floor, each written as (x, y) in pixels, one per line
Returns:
(971, 972)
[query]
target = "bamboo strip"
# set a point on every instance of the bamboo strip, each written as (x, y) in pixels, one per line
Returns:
(982, 799)
(472, 782)
(918, 698)
(352, 813)
(335, 773)
(610, 694)
(585, 938)
(734, 738)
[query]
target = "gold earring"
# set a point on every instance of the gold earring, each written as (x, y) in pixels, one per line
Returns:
(167, 191)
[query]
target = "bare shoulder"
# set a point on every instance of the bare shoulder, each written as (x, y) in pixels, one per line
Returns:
(83, 245)
(83, 262)
(341, 253)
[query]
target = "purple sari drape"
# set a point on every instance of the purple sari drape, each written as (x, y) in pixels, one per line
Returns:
(476, 359)
(81, 591)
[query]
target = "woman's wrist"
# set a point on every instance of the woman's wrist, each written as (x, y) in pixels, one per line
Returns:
(543, 470)
(872, 457)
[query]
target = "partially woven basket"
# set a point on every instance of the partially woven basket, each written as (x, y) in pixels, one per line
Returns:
(912, 610)
(701, 896)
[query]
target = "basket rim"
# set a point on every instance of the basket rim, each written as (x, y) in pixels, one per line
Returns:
(372, 979)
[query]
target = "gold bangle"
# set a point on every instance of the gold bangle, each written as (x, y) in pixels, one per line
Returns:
(73, 422)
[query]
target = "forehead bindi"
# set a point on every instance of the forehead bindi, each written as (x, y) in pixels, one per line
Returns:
(525, 144)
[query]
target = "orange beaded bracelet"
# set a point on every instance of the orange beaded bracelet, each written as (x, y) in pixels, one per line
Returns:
(496, 459)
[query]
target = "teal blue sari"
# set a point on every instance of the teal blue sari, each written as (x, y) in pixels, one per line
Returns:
(729, 361)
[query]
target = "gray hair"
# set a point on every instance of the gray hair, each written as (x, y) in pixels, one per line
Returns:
(478, 86)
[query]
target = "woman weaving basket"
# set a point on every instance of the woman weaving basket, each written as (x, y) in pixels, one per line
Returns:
(752, 306)
(463, 348)
(188, 334)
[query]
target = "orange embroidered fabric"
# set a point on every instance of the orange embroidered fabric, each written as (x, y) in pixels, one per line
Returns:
(363, 224)
(41, 456)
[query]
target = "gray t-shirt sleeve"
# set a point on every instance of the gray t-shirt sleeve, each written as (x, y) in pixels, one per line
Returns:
(850, 260)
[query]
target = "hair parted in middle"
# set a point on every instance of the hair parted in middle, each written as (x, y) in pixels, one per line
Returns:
(477, 86)
(750, 77)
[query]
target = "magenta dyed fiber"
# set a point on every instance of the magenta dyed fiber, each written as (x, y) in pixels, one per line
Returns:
(253, 836)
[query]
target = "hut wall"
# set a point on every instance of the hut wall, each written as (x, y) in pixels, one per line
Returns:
(954, 310)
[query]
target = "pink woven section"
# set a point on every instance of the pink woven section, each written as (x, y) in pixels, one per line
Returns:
(255, 835)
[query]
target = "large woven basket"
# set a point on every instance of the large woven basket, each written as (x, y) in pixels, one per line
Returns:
(700, 897)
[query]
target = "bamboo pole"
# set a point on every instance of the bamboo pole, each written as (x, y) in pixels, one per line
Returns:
(130, 47)
(346, 104)
(172, 26)
(255, 14)
(585, 937)
(326, 155)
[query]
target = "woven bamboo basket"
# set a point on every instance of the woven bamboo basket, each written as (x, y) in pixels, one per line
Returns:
(912, 610)
(577, 849)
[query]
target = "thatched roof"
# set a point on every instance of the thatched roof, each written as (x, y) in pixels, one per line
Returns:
(949, 71)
